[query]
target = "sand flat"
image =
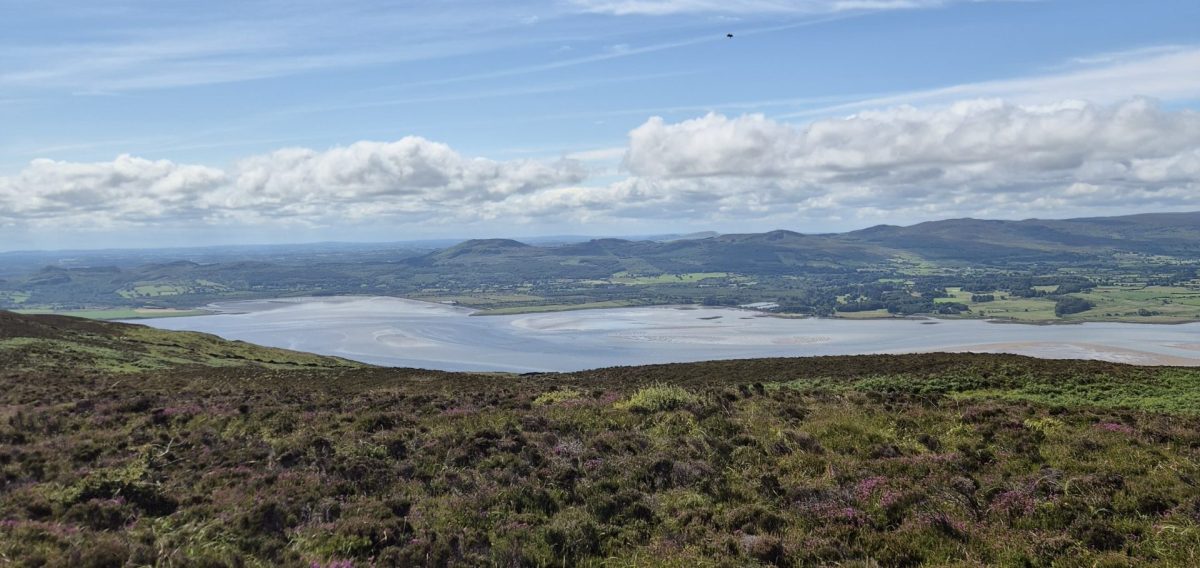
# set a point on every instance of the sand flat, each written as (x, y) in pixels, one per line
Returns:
(399, 332)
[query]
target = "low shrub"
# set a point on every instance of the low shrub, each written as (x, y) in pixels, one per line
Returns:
(659, 398)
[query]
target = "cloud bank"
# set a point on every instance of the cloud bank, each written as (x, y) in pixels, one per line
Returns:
(987, 158)
(409, 178)
(981, 157)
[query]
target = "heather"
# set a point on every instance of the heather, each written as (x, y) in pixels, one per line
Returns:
(964, 460)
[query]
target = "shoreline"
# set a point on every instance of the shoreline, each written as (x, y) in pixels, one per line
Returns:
(425, 334)
(220, 308)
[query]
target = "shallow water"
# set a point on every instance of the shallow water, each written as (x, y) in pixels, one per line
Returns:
(396, 332)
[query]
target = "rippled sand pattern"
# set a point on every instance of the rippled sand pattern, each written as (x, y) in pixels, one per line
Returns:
(391, 331)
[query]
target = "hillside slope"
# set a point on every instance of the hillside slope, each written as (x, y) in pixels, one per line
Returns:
(45, 342)
(213, 460)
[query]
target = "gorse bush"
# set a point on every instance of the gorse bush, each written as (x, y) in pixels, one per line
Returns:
(558, 396)
(658, 398)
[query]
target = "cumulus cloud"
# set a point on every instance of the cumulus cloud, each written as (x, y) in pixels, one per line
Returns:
(877, 143)
(409, 177)
(983, 158)
(126, 189)
(411, 174)
(973, 157)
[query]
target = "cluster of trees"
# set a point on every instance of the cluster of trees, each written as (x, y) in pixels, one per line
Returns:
(926, 306)
(1020, 286)
(1067, 305)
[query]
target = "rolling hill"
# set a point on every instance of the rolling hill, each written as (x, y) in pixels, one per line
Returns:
(1041, 240)
(577, 272)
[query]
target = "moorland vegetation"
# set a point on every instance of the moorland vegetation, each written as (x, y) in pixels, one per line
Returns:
(122, 446)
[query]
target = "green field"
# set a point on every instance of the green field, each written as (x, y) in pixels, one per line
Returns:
(685, 278)
(1004, 306)
(1160, 304)
(158, 290)
(14, 296)
(1166, 304)
(153, 290)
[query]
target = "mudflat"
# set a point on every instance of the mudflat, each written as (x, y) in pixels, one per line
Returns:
(399, 332)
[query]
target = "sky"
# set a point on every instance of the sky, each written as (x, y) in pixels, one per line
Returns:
(141, 123)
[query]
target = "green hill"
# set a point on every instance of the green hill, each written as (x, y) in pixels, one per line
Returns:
(120, 448)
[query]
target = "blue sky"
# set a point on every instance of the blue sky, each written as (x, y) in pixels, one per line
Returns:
(273, 121)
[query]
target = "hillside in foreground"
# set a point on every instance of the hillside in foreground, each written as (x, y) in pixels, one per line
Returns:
(123, 446)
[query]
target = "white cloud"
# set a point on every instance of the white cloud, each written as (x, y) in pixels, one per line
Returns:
(366, 180)
(150, 45)
(664, 7)
(968, 134)
(127, 189)
(412, 174)
(598, 154)
(1160, 72)
(983, 158)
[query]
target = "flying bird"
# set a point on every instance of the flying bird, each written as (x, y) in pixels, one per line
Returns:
(729, 36)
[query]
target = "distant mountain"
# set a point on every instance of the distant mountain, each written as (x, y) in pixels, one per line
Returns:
(478, 264)
(1036, 239)
(958, 240)
(481, 247)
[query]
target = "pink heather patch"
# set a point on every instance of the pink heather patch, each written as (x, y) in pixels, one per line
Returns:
(890, 497)
(830, 511)
(568, 448)
(851, 515)
(867, 487)
(1115, 427)
(1014, 503)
